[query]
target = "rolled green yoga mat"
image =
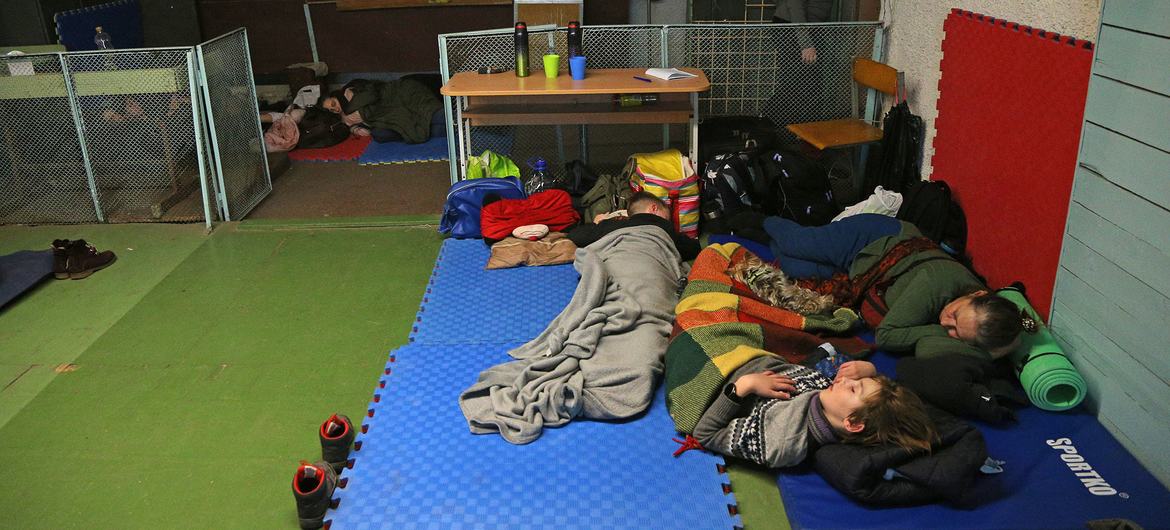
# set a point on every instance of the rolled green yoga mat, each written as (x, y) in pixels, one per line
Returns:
(1050, 380)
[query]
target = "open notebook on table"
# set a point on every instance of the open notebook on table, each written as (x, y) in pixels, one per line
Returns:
(668, 73)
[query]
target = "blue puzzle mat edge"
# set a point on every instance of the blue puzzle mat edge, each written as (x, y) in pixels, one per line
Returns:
(416, 465)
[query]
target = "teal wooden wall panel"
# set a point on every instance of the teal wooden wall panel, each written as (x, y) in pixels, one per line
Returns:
(1139, 168)
(1137, 421)
(1150, 16)
(1133, 213)
(1087, 347)
(1134, 112)
(1111, 306)
(1139, 257)
(1142, 307)
(1115, 59)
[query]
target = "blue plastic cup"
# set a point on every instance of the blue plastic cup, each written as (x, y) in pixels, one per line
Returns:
(577, 67)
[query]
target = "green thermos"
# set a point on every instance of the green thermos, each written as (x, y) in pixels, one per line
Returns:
(521, 49)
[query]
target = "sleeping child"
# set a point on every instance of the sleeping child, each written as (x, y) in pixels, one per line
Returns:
(774, 413)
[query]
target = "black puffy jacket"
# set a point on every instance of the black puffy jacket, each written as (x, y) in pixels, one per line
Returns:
(943, 475)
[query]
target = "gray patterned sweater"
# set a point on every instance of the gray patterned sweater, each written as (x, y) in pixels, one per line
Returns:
(769, 432)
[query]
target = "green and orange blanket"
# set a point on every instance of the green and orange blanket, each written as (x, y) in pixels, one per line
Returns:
(720, 325)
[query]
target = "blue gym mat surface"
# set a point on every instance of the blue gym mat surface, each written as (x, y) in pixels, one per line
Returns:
(401, 153)
(21, 271)
(466, 303)
(1037, 490)
(419, 467)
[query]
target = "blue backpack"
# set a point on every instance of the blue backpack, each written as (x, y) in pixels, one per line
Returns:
(465, 199)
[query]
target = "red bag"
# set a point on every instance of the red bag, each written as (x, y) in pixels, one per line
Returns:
(553, 208)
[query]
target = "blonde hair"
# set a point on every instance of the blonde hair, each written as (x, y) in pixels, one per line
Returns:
(894, 415)
(640, 202)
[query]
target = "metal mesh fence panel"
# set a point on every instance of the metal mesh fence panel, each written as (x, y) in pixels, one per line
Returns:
(732, 11)
(754, 69)
(235, 126)
(135, 107)
(758, 69)
(42, 170)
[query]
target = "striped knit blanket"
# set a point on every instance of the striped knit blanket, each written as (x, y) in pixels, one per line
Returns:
(720, 325)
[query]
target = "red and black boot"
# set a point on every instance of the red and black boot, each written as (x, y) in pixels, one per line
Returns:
(336, 438)
(313, 486)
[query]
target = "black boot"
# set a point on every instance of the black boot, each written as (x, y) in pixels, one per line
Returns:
(313, 487)
(82, 259)
(61, 258)
(336, 438)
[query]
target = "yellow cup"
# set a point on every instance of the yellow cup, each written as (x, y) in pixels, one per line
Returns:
(552, 65)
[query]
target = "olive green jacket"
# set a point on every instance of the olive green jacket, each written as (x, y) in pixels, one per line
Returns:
(916, 298)
(404, 106)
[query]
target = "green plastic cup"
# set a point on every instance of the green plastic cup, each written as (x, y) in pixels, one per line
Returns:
(552, 65)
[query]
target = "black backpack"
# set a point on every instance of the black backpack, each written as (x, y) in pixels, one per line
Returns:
(321, 128)
(733, 183)
(800, 187)
(732, 134)
(930, 205)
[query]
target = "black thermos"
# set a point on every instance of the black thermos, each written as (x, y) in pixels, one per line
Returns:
(521, 49)
(575, 39)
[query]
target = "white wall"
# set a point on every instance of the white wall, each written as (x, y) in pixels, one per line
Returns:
(915, 37)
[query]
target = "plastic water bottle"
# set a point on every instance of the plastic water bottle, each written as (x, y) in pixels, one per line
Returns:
(102, 39)
(521, 44)
(539, 180)
(832, 361)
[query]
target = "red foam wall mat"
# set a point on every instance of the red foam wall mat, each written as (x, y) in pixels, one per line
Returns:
(1010, 107)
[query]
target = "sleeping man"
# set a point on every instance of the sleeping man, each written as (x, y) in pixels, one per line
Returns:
(602, 356)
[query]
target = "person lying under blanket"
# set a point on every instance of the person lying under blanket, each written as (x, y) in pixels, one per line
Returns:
(645, 210)
(602, 356)
(916, 296)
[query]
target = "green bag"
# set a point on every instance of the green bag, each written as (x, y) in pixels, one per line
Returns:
(609, 194)
(490, 164)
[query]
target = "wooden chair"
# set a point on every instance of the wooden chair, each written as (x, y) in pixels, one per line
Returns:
(852, 131)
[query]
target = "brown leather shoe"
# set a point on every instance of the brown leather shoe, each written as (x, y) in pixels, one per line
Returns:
(61, 249)
(82, 259)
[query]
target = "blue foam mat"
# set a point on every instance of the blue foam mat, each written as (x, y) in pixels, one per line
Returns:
(1037, 489)
(401, 153)
(466, 303)
(418, 466)
(21, 271)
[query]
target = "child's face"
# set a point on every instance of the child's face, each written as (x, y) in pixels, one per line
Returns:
(846, 396)
(332, 105)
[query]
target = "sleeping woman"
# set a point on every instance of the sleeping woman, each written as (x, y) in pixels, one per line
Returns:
(390, 111)
(932, 303)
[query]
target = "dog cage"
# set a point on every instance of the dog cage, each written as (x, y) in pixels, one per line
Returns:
(754, 69)
(131, 135)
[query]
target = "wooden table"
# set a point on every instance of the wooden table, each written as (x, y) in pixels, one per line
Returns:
(504, 99)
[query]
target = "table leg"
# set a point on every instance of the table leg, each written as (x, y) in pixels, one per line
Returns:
(464, 136)
(694, 126)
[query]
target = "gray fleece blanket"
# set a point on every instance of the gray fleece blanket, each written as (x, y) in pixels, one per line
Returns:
(601, 356)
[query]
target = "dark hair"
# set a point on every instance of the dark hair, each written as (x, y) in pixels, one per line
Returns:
(339, 94)
(894, 415)
(642, 197)
(1000, 321)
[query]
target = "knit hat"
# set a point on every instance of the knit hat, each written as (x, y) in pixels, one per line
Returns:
(530, 232)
